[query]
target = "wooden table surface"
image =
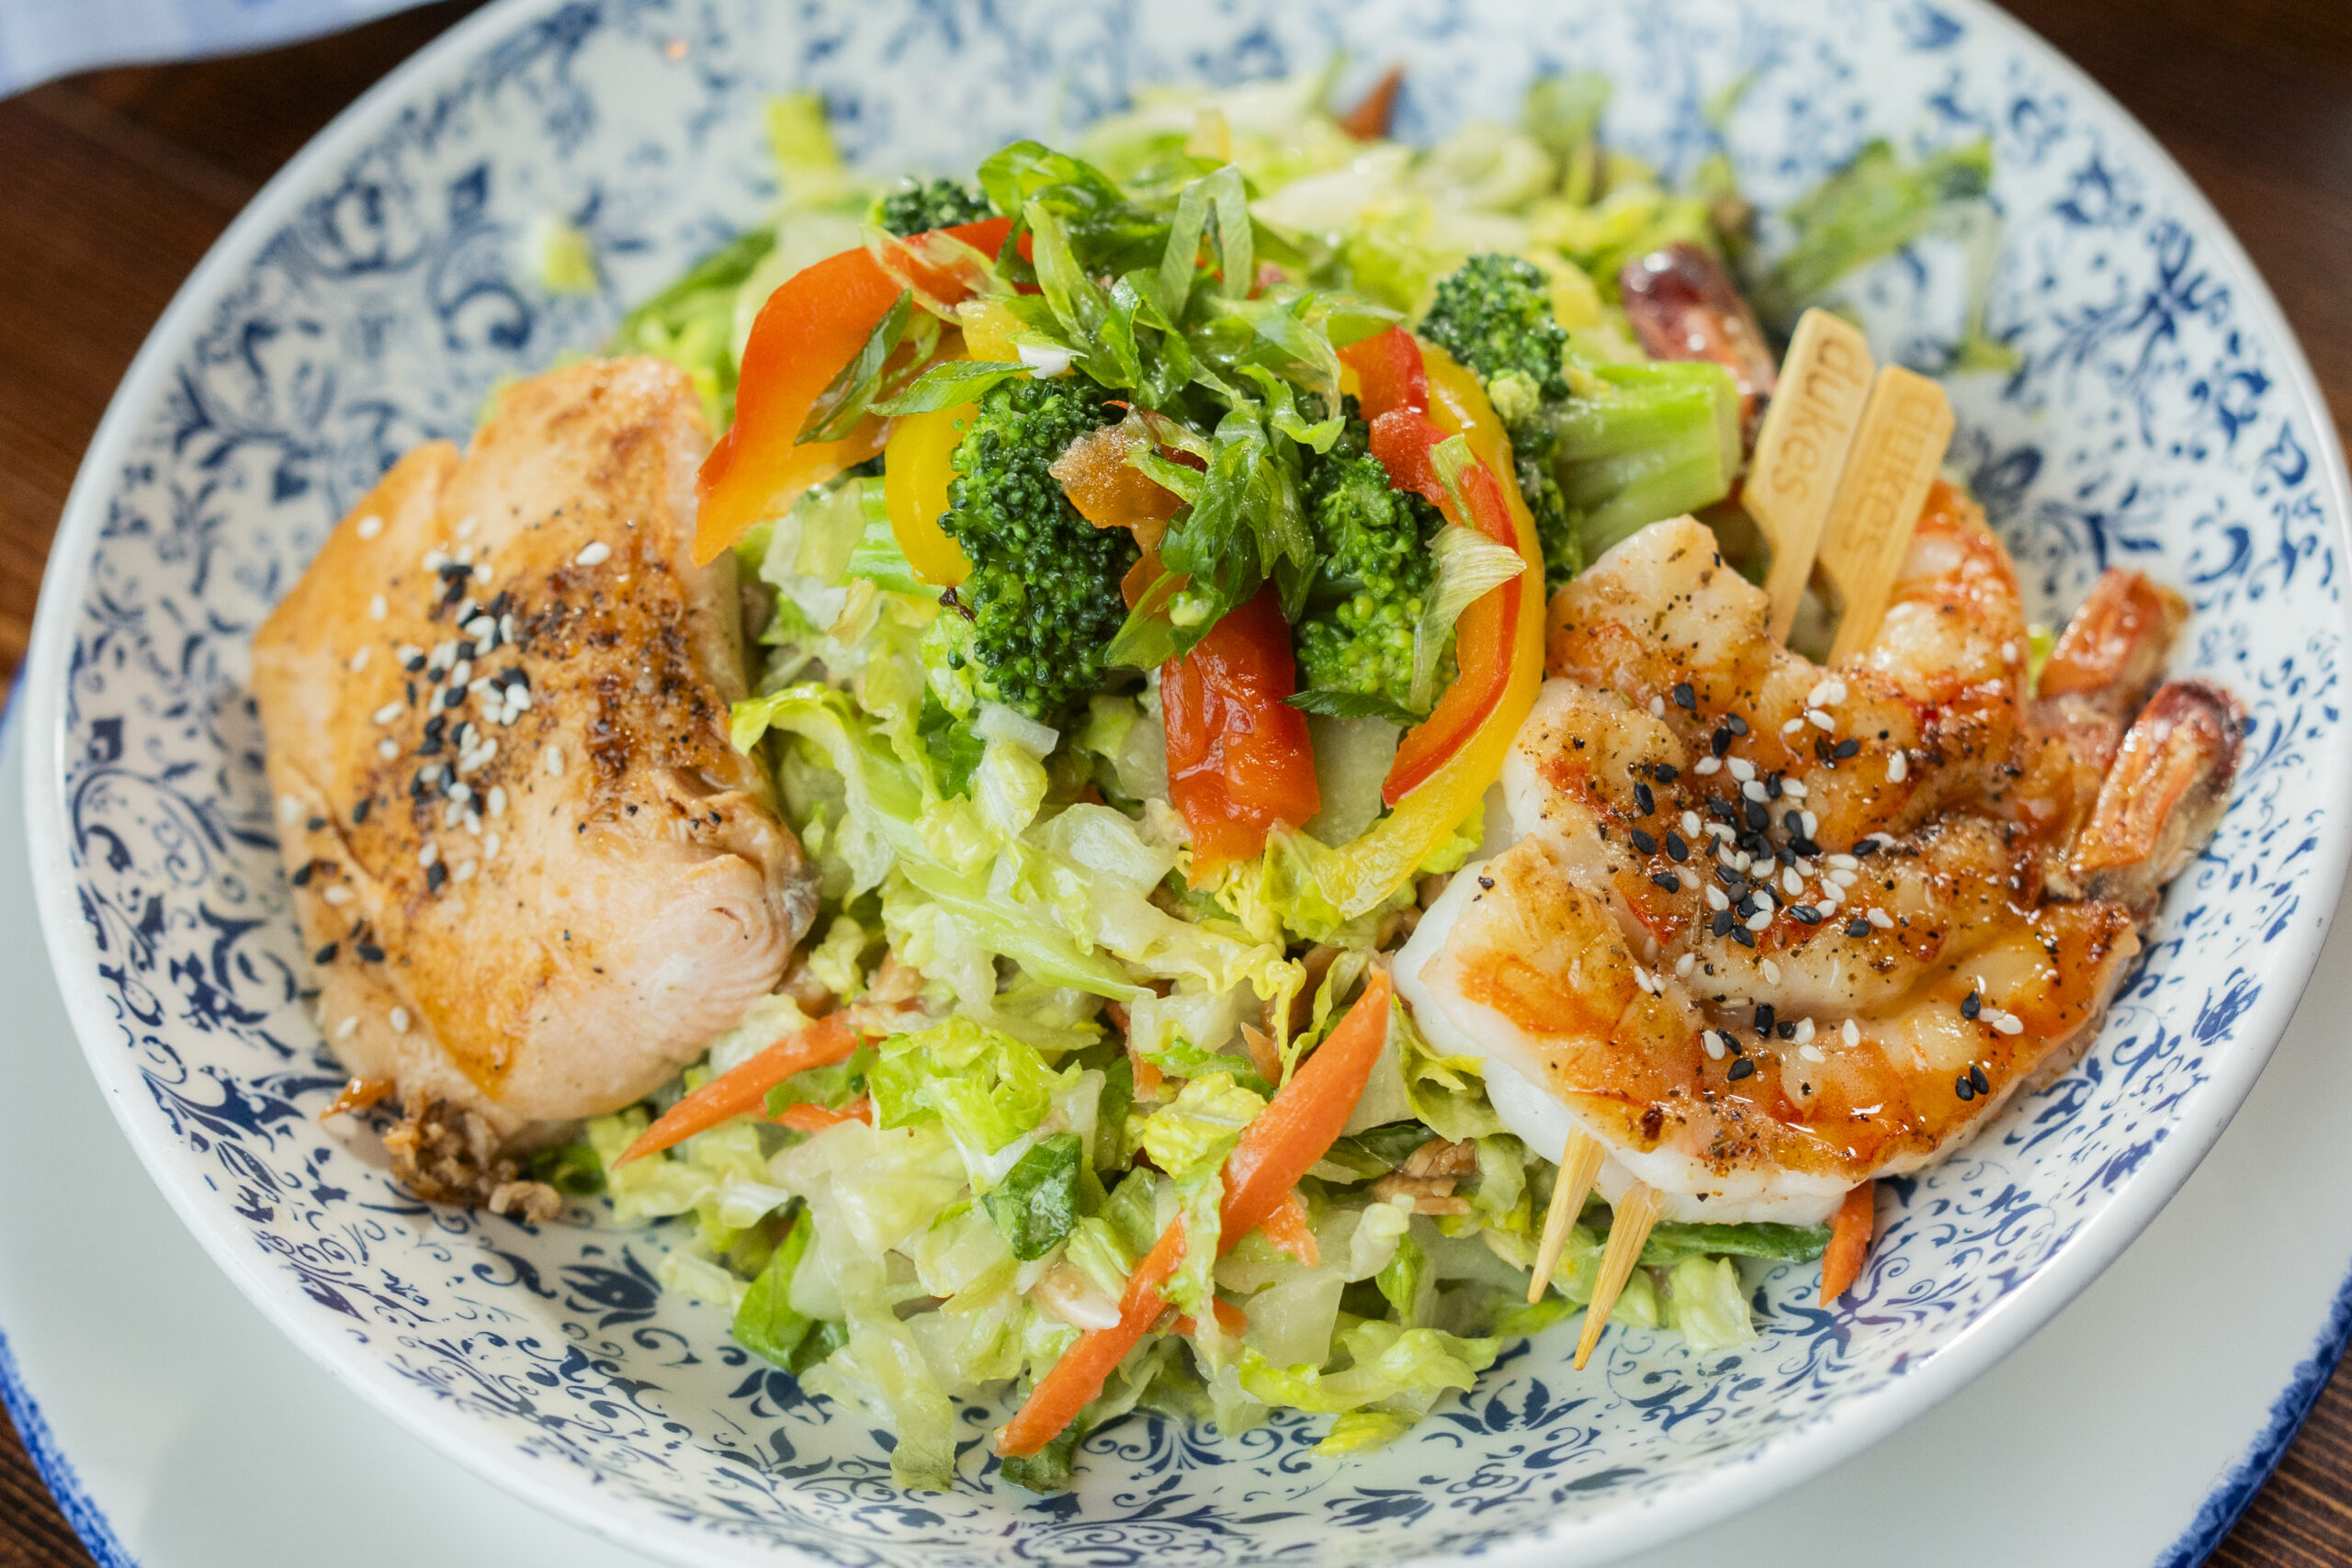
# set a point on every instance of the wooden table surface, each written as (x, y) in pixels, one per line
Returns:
(112, 185)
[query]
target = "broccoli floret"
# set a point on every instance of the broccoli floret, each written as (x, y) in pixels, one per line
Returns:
(1494, 314)
(915, 208)
(1043, 600)
(1355, 638)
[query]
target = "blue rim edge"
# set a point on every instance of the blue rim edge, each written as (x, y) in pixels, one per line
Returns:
(80, 1510)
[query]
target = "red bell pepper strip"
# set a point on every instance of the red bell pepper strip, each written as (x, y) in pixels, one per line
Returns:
(810, 327)
(1395, 380)
(1238, 759)
(1297, 1128)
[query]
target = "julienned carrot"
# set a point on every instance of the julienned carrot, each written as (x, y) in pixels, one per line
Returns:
(744, 1086)
(1850, 1242)
(1297, 1128)
(810, 1117)
(1287, 1228)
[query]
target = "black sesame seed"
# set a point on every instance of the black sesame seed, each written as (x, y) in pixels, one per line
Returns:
(1866, 848)
(1676, 849)
(1804, 914)
(1669, 880)
(1723, 923)
(1963, 1088)
(359, 812)
(1745, 905)
(434, 875)
(1722, 810)
(301, 877)
(1858, 928)
(369, 952)
(1846, 747)
(1772, 786)
(1792, 820)
(1801, 845)
(1763, 1018)
(417, 787)
(1742, 1069)
(1487, 882)
(1758, 818)
(1786, 1028)
(1731, 1043)
(453, 696)
(465, 651)
(1976, 1077)
(324, 955)
(1720, 741)
(497, 606)
(412, 665)
(1970, 1005)
(316, 824)
(455, 591)
(514, 676)
(1743, 936)
(1667, 772)
(1642, 843)
(1643, 799)
(455, 571)
(1685, 698)
(1736, 724)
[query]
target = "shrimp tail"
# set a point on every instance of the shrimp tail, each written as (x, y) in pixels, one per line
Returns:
(2161, 799)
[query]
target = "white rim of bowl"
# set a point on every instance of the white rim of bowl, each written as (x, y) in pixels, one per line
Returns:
(1805, 1449)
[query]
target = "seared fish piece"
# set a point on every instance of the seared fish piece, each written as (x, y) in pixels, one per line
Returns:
(535, 876)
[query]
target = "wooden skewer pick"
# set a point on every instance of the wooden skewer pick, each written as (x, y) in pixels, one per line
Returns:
(1629, 1230)
(1580, 1163)
(1906, 426)
(1808, 429)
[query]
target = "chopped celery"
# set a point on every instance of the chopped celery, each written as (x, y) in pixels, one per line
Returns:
(1643, 442)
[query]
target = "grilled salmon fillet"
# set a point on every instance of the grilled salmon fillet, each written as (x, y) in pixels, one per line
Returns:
(535, 877)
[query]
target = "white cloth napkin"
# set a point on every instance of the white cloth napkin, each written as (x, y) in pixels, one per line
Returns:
(42, 38)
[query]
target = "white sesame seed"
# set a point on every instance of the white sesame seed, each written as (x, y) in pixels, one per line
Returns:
(1753, 789)
(1706, 766)
(1642, 978)
(518, 697)
(1741, 769)
(463, 872)
(1710, 1044)
(450, 812)
(1828, 901)
(1829, 693)
(343, 1030)
(463, 673)
(466, 525)
(1762, 917)
(398, 1020)
(367, 528)
(428, 855)
(462, 792)
(497, 801)
(1820, 719)
(1741, 861)
(289, 808)
(1684, 965)
(377, 609)
(444, 655)
(1880, 918)
(388, 747)
(1898, 768)
(1849, 1034)
(1794, 789)
(2008, 653)
(506, 626)
(554, 755)
(1793, 725)
(1715, 898)
(1812, 823)
(1843, 863)
(2009, 1023)
(595, 554)
(436, 559)
(1791, 881)
(481, 628)
(1658, 708)
(1690, 824)
(1772, 972)
(1844, 878)
(1811, 1053)
(359, 660)
(407, 652)
(389, 712)
(1804, 1033)
(489, 847)
(465, 611)
(336, 893)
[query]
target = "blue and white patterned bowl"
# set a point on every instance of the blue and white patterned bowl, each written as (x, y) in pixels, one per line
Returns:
(2162, 415)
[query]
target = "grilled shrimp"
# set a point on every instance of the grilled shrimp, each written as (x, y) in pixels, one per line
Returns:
(1768, 931)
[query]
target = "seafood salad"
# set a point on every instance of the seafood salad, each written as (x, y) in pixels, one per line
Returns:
(1221, 770)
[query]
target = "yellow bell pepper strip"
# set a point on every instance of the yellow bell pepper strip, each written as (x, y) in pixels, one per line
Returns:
(813, 324)
(1359, 875)
(915, 476)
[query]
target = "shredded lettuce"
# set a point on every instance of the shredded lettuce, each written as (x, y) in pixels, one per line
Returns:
(1707, 1305)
